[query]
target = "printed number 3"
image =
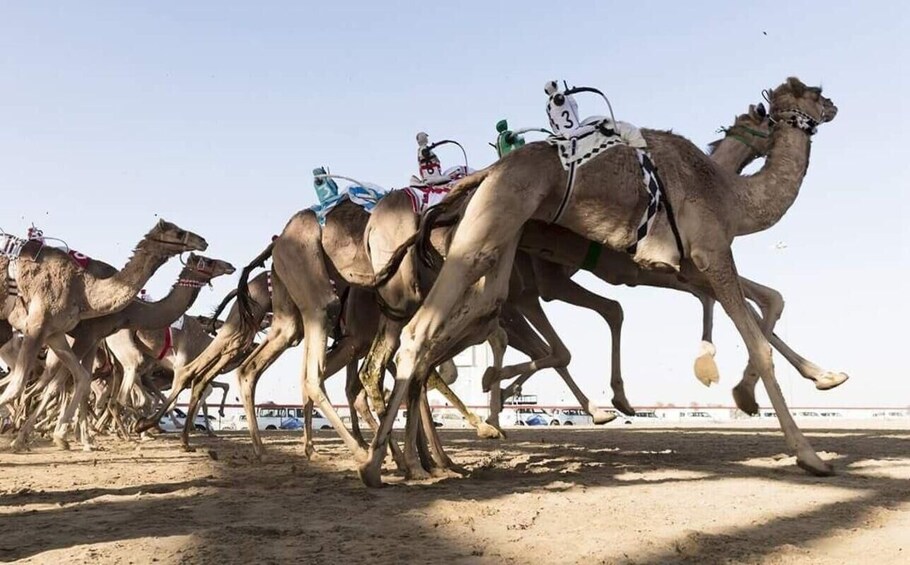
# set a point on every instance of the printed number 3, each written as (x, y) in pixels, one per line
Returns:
(569, 123)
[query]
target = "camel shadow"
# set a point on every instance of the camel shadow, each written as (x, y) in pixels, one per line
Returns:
(286, 508)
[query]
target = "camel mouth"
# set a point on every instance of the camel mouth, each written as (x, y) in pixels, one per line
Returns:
(830, 113)
(229, 270)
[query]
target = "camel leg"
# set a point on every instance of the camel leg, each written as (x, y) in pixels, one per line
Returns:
(282, 333)
(498, 341)
(83, 383)
(823, 379)
(315, 334)
(533, 311)
(487, 249)
(352, 390)
(720, 270)
(50, 383)
(484, 430)
(442, 464)
(705, 366)
(418, 460)
(772, 304)
(32, 339)
(371, 372)
(554, 283)
(189, 423)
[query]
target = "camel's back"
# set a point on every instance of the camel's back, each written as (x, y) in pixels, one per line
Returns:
(342, 239)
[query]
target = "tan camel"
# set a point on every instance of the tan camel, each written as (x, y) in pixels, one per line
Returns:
(392, 222)
(145, 351)
(708, 205)
(220, 355)
(745, 140)
(138, 315)
(55, 294)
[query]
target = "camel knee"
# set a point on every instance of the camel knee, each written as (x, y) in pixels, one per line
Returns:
(613, 314)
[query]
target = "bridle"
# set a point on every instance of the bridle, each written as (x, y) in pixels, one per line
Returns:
(733, 130)
(203, 266)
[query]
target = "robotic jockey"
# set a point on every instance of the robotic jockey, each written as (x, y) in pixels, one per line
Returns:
(326, 189)
(506, 140)
(562, 110)
(428, 162)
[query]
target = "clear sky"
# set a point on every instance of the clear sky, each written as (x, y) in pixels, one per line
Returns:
(213, 114)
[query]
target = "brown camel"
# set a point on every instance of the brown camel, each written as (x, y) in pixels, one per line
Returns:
(708, 205)
(392, 223)
(747, 139)
(55, 294)
(230, 343)
(138, 315)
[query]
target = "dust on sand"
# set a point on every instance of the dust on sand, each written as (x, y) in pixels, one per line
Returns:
(548, 496)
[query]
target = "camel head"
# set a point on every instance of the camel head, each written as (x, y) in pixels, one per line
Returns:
(206, 269)
(802, 106)
(170, 239)
(752, 129)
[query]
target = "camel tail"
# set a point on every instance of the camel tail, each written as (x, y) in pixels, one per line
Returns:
(391, 267)
(244, 300)
(446, 213)
(217, 312)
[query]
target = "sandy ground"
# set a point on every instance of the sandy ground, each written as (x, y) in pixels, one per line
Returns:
(544, 496)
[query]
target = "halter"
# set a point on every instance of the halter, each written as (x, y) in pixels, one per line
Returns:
(796, 118)
(203, 266)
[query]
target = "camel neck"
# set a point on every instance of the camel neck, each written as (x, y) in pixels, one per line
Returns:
(162, 313)
(732, 155)
(109, 295)
(767, 195)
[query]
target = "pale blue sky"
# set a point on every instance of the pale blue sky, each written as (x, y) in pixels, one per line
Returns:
(213, 114)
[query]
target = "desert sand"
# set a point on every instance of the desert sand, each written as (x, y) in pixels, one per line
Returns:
(619, 494)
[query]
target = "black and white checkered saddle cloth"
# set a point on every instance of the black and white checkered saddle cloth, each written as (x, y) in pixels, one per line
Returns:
(597, 135)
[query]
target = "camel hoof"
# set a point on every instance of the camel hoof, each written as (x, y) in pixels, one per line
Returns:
(745, 400)
(487, 431)
(189, 449)
(450, 472)
(602, 417)
(814, 465)
(417, 473)
(706, 370)
(490, 376)
(622, 404)
(143, 425)
(371, 473)
(89, 448)
(18, 446)
(61, 443)
(310, 453)
(831, 380)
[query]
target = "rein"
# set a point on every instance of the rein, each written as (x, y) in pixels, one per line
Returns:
(732, 132)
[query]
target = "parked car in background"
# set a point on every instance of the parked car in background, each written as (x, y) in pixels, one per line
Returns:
(401, 420)
(641, 416)
(274, 418)
(572, 417)
(520, 416)
(199, 424)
